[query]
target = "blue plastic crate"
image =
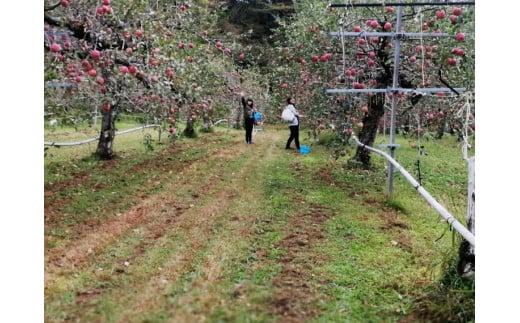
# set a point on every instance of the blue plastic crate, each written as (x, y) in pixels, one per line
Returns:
(305, 149)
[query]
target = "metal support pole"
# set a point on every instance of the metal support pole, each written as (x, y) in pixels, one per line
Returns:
(395, 85)
(401, 4)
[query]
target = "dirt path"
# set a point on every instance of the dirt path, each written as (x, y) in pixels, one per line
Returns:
(171, 251)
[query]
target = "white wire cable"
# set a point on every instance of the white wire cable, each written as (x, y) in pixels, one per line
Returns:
(464, 113)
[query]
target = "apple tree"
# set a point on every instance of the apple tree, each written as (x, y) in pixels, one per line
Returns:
(158, 61)
(301, 60)
(310, 61)
(425, 62)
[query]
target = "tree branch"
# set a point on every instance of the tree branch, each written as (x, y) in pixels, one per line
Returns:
(52, 6)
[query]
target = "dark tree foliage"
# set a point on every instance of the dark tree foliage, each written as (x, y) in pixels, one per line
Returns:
(257, 16)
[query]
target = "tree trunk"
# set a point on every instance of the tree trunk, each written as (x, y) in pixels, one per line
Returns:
(367, 135)
(189, 131)
(441, 128)
(107, 135)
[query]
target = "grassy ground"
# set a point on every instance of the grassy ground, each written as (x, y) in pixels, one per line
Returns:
(213, 230)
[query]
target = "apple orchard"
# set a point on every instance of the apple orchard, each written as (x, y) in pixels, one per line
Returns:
(182, 65)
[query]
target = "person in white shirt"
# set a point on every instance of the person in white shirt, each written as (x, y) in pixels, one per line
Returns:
(294, 125)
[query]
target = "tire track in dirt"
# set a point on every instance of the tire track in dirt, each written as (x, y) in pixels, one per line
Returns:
(77, 254)
(53, 204)
(237, 230)
(294, 298)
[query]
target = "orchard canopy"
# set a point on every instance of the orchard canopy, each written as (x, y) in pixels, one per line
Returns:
(174, 63)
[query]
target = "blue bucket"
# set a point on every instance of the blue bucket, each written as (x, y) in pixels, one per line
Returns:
(305, 149)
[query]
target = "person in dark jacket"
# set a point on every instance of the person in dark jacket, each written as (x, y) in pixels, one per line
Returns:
(249, 111)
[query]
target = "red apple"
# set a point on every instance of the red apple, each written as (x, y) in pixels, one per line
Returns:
(440, 14)
(387, 26)
(458, 51)
(357, 29)
(389, 9)
(55, 47)
(453, 19)
(138, 33)
(106, 9)
(374, 24)
(364, 109)
(347, 131)
(451, 61)
(325, 57)
(241, 56)
(106, 2)
(457, 11)
(92, 72)
(101, 80)
(132, 69)
(64, 3)
(460, 36)
(95, 54)
(412, 59)
(123, 69)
